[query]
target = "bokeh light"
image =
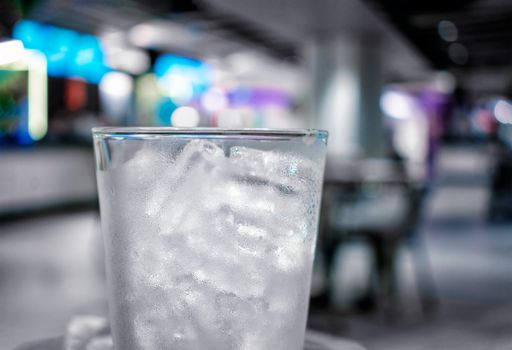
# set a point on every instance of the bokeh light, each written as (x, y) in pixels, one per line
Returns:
(503, 112)
(214, 100)
(185, 116)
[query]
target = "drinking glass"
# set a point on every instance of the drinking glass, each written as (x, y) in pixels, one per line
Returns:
(209, 235)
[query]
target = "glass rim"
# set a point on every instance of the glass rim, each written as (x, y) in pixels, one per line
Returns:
(205, 131)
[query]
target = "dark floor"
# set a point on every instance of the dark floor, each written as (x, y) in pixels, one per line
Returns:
(49, 271)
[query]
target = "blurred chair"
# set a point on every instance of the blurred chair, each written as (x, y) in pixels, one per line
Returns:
(383, 208)
(500, 203)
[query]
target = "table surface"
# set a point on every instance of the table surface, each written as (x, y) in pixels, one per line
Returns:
(314, 341)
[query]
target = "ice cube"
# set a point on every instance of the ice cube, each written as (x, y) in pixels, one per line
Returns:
(82, 329)
(198, 157)
(286, 171)
(101, 343)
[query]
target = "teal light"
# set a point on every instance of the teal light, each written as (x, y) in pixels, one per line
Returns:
(182, 78)
(68, 53)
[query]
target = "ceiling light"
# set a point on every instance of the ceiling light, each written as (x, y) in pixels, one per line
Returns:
(447, 31)
(458, 53)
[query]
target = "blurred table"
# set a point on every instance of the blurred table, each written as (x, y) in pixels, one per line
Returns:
(369, 170)
(39, 178)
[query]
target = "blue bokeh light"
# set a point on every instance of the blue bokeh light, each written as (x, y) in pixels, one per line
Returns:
(69, 53)
(196, 72)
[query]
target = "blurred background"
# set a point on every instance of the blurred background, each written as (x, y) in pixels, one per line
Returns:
(415, 239)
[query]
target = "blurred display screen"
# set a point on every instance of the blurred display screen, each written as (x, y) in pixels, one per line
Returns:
(68, 53)
(177, 90)
(14, 106)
